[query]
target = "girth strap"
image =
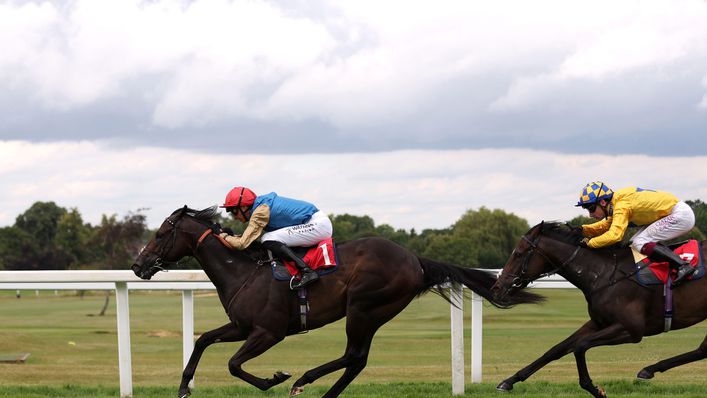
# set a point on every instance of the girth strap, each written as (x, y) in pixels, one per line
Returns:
(668, 314)
(303, 309)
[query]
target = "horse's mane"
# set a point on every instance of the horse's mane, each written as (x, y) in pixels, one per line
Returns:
(559, 231)
(206, 215)
(563, 232)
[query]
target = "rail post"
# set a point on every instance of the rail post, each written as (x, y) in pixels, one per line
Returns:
(457, 320)
(124, 357)
(477, 324)
(187, 328)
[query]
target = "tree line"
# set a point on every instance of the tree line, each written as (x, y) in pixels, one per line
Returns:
(48, 236)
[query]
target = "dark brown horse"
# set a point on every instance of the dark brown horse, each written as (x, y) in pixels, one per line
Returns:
(620, 309)
(376, 280)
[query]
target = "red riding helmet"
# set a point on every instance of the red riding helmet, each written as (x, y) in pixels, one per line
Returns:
(239, 196)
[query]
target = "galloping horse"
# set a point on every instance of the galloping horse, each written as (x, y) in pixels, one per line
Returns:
(620, 309)
(376, 280)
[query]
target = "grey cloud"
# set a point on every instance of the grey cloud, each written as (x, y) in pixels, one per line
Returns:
(369, 88)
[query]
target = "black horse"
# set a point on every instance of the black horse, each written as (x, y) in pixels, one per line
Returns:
(377, 279)
(620, 309)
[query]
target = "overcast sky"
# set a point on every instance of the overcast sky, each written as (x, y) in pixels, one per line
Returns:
(409, 111)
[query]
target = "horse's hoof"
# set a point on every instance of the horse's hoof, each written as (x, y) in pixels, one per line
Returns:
(184, 393)
(504, 386)
(645, 374)
(602, 393)
(295, 391)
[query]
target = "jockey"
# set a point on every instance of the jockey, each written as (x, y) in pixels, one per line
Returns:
(661, 215)
(283, 223)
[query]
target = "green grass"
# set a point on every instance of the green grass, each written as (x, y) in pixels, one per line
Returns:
(74, 352)
(541, 389)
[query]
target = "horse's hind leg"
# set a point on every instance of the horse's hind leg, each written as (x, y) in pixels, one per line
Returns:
(258, 341)
(649, 371)
(362, 322)
(226, 333)
(354, 360)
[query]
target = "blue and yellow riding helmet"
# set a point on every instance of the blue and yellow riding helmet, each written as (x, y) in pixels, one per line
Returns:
(593, 193)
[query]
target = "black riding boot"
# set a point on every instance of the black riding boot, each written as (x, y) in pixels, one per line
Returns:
(281, 250)
(663, 253)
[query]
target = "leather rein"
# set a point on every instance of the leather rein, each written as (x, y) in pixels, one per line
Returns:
(522, 280)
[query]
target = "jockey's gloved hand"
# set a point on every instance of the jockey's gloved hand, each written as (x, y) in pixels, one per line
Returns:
(228, 230)
(584, 242)
(216, 228)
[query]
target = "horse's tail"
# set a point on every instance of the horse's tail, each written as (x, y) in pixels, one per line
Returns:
(479, 281)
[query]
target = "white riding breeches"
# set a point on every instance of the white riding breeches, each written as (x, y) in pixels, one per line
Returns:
(679, 222)
(314, 231)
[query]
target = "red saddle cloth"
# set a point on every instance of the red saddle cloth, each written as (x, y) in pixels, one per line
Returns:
(319, 257)
(690, 251)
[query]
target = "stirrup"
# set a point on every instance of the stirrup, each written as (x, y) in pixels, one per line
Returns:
(686, 274)
(305, 279)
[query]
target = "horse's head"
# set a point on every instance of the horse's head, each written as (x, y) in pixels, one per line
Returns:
(534, 257)
(174, 240)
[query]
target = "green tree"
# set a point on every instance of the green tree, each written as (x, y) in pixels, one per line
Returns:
(700, 209)
(116, 242)
(34, 246)
(399, 236)
(492, 235)
(452, 248)
(348, 227)
(483, 238)
(41, 220)
(72, 237)
(18, 250)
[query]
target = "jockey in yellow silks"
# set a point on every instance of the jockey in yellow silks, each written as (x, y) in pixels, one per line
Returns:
(661, 216)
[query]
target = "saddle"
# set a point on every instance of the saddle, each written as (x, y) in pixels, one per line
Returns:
(321, 258)
(656, 273)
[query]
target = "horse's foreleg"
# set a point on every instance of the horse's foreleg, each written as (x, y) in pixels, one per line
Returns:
(258, 341)
(226, 333)
(558, 351)
(612, 335)
(666, 364)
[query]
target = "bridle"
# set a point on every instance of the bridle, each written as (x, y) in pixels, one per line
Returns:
(165, 249)
(522, 280)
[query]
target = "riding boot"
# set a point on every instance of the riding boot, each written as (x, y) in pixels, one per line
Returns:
(663, 253)
(281, 250)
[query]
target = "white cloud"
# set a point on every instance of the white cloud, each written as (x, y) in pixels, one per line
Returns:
(406, 189)
(349, 63)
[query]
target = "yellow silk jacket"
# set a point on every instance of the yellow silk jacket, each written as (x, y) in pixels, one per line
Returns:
(629, 205)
